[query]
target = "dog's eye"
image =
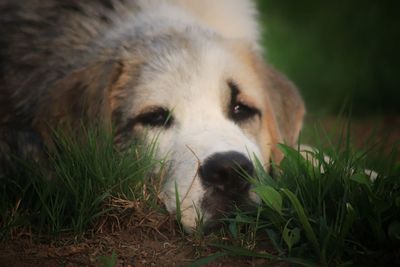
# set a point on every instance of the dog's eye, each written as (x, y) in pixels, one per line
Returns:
(241, 112)
(159, 117)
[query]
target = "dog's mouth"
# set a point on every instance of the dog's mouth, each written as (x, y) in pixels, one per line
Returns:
(220, 204)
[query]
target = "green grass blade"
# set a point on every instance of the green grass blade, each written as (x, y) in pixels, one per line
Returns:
(270, 197)
(303, 219)
(178, 204)
(109, 261)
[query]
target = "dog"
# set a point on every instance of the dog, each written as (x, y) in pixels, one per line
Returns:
(188, 73)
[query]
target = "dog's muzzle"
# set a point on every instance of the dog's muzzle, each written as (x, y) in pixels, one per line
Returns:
(223, 177)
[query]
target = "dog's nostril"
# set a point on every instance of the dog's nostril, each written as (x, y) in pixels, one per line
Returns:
(224, 170)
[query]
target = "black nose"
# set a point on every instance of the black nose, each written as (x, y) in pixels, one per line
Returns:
(224, 171)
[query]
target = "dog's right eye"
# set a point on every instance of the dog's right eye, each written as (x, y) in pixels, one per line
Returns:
(158, 117)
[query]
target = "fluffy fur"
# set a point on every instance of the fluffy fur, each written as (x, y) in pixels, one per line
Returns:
(128, 63)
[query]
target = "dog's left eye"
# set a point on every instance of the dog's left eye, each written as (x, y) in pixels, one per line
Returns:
(159, 117)
(238, 111)
(241, 112)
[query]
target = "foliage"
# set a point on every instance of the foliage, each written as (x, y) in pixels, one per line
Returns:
(325, 213)
(314, 212)
(336, 51)
(109, 261)
(69, 192)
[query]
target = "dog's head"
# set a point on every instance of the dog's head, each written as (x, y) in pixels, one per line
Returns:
(211, 104)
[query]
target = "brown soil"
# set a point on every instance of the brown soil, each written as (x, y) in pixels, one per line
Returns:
(130, 251)
(138, 236)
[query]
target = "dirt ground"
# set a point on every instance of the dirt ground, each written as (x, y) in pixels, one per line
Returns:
(151, 240)
(146, 237)
(130, 250)
(137, 234)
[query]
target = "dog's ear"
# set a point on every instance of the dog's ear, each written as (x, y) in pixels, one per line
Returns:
(287, 109)
(287, 105)
(284, 106)
(83, 95)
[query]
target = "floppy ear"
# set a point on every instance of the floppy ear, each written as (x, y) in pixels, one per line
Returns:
(287, 110)
(284, 107)
(287, 105)
(81, 96)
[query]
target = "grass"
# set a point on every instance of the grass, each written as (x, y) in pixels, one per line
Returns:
(72, 194)
(327, 214)
(109, 261)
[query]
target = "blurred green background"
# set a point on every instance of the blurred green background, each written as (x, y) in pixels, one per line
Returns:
(340, 54)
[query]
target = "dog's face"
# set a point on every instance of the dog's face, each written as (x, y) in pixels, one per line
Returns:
(210, 104)
(205, 108)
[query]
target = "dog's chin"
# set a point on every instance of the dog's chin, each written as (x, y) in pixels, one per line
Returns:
(218, 205)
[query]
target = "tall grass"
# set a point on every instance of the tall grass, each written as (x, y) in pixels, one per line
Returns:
(312, 212)
(68, 192)
(326, 213)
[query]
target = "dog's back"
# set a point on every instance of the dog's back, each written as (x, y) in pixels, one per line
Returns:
(40, 41)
